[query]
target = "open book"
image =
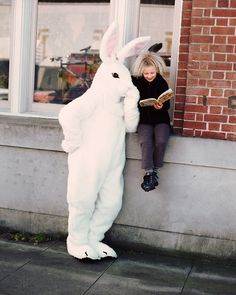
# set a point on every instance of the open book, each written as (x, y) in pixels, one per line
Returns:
(168, 94)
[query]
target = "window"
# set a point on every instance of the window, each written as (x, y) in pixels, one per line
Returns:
(54, 56)
(67, 49)
(5, 16)
(156, 20)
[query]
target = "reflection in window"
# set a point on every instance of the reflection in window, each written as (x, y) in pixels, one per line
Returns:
(156, 20)
(5, 13)
(67, 49)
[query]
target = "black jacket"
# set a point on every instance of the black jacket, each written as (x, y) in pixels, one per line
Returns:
(150, 115)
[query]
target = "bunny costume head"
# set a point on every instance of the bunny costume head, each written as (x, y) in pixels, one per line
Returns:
(94, 127)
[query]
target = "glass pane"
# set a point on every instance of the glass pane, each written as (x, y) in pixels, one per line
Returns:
(156, 20)
(5, 14)
(67, 49)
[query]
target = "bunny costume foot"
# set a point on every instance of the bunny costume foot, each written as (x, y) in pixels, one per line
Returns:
(94, 127)
(104, 250)
(83, 252)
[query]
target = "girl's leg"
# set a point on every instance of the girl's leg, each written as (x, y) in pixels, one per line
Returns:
(145, 133)
(162, 133)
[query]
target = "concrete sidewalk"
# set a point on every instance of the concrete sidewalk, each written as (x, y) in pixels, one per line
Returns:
(26, 269)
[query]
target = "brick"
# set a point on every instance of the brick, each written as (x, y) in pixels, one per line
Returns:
(216, 92)
(223, 30)
(193, 65)
(201, 39)
(178, 123)
(212, 134)
(197, 12)
(221, 48)
(222, 22)
(192, 82)
(223, 12)
(220, 66)
(183, 48)
(196, 31)
(232, 119)
(189, 116)
(191, 99)
(217, 101)
(197, 21)
(218, 84)
(186, 22)
(228, 128)
(232, 21)
(199, 74)
(207, 12)
(206, 30)
(179, 107)
(231, 136)
(230, 76)
(180, 98)
(203, 66)
(195, 125)
(200, 56)
(219, 57)
(223, 3)
(233, 3)
(185, 31)
(179, 115)
(215, 110)
(182, 65)
(230, 112)
(180, 90)
(182, 73)
(202, 83)
(187, 4)
(228, 93)
(197, 91)
(198, 48)
(231, 57)
(214, 126)
(231, 39)
(199, 117)
(220, 39)
(218, 75)
(184, 39)
(195, 108)
(183, 56)
(215, 118)
(181, 82)
(204, 3)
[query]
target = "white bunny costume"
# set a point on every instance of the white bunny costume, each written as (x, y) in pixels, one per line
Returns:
(94, 127)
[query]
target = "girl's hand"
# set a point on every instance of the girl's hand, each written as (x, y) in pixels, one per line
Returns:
(158, 105)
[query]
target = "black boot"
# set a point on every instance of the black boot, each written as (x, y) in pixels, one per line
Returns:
(149, 182)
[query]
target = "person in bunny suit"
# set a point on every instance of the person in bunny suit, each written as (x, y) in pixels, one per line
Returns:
(94, 127)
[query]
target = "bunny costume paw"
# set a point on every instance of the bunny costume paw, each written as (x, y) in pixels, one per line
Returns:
(94, 127)
(83, 251)
(104, 250)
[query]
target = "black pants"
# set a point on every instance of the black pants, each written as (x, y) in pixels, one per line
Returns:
(153, 141)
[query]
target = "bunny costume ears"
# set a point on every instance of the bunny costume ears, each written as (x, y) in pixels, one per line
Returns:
(110, 41)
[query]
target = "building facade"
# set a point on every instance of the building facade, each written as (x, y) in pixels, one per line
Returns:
(193, 209)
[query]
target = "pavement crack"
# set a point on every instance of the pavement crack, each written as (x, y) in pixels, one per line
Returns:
(102, 273)
(186, 279)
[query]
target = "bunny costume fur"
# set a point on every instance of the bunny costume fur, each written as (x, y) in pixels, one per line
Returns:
(94, 127)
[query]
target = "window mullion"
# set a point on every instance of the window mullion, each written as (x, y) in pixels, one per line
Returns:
(21, 74)
(126, 13)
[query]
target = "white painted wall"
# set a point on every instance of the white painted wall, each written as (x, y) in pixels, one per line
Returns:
(193, 208)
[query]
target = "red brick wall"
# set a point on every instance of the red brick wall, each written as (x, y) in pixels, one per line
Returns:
(205, 102)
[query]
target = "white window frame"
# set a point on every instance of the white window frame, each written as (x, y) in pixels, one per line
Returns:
(23, 42)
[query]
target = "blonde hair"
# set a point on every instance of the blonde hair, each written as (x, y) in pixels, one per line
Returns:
(148, 59)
